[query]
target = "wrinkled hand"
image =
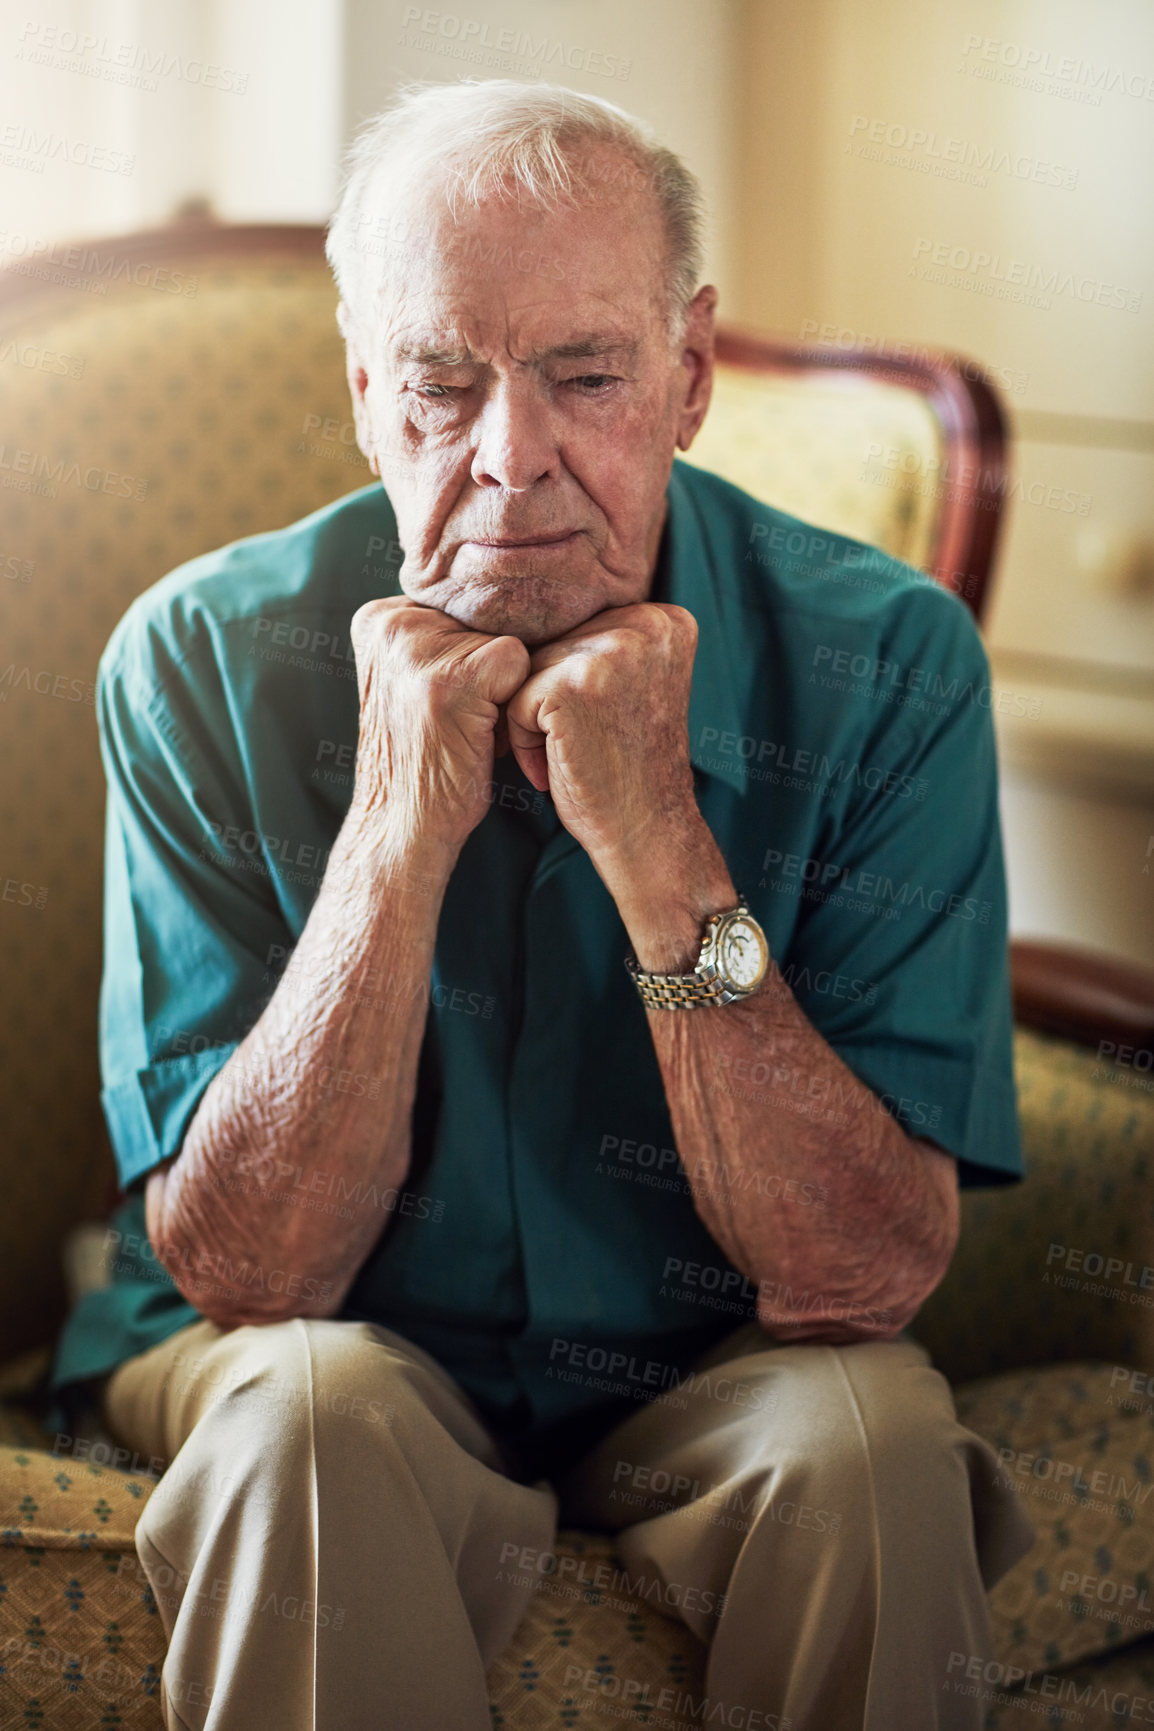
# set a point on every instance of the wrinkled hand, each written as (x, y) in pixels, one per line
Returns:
(431, 693)
(602, 722)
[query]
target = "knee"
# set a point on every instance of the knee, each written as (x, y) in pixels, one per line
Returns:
(902, 1408)
(244, 1415)
(285, 1383)
(252, 1371)
(839, 1411)
(257, 1396)
(349, 1373)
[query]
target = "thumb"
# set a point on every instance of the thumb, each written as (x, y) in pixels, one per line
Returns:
(526, 741)
(530, 751)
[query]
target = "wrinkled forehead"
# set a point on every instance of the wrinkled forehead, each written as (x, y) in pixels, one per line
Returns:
(596, 260)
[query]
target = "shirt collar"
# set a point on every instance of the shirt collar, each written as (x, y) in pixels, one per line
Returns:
(687, 575)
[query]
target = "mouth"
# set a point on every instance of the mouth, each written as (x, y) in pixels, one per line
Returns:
(508, 543)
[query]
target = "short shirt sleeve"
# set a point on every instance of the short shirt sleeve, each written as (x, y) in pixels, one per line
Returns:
(186, 933)
(900, 953)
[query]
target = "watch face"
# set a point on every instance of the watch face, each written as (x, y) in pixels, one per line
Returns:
(741, 953)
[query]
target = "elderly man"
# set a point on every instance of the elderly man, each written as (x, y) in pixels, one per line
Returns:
(531, 1103)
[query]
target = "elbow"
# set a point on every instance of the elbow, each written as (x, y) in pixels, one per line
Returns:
(232, 1289)
(937, 1265)
(877, 1307)
(235, 1293)
(927, 1262)
(932, 1235)
(830, 1320)
(917, 1263)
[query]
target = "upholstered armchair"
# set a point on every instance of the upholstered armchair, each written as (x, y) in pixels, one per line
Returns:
(168, 392)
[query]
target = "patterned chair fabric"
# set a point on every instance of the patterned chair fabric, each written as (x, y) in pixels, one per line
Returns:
(140, 426)
(844, 451)
(181, 423)
(1061, 1267)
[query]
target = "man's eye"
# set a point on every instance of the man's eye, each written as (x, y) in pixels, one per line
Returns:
(593, 381)
(431, 390)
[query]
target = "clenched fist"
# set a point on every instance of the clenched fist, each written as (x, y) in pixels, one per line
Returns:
(602, 721)
(431, 695)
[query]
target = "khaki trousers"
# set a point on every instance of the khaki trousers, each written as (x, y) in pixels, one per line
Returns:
(338, 1546)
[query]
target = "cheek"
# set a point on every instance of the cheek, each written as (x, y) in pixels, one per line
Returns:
(625, 468)
(424, 487)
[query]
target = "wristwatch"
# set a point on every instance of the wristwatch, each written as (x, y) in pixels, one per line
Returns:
(734, 957)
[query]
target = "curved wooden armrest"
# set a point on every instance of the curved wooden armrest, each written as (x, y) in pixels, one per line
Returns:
(1082, 994)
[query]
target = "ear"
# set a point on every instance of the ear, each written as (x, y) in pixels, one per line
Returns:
(357, 375)
(697, 360)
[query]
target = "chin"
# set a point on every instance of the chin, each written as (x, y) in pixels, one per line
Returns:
(534, 608)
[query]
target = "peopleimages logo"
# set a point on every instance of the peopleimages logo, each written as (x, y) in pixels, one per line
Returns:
(826, 878)
(925, 688)
(844, 338)
(1031, 68)
(805, 769)
(504, 49)
(52, 261)
(1015, 279)
(39, 471)
(23, 146)
(131, 63)
(1009, 1685)
(922, 149)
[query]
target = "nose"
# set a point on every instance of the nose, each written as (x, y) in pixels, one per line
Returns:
(515, 445)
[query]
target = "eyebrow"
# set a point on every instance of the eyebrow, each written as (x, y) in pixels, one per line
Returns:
(590, 348)
(594, 346)
(430, 355)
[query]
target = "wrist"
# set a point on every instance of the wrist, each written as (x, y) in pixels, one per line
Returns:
(382, 847)
(665, 898)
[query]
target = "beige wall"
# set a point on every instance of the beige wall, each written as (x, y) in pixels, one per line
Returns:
(829, 234)
(837, 222)
(833, 233)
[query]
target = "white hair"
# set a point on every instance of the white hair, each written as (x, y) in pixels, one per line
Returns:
(498, 137)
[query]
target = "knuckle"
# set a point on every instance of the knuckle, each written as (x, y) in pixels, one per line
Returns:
(583, 674)
(368, 610)
(679, 624)
(373, 623)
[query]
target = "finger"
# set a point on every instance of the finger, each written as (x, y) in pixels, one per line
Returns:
(528, 747)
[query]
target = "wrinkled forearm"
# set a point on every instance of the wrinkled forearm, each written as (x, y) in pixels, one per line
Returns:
(807, 1183)
(809, 1186)
(284, 1179)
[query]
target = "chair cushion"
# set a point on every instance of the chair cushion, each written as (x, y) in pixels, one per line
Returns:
(1078, 1449)
(57, 1503)
(1102, 1694)
(80, 1637)
(586, 1653)
(1062, 1266)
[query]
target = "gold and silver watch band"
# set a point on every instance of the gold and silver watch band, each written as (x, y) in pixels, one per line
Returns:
(675, 991)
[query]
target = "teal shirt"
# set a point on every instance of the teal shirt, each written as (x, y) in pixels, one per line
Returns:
(545, 1246)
